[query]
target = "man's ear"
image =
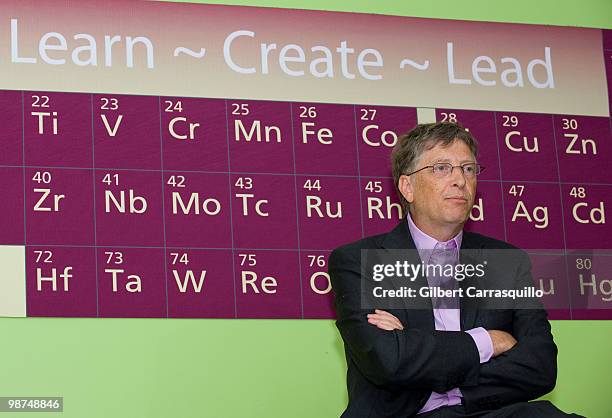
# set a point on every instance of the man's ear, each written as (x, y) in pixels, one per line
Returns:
(405, 186)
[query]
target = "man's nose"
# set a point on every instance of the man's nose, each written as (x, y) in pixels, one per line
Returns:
(458, 177)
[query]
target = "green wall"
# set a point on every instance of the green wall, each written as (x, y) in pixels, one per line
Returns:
(264, 368)
(183, 368)
(585, 13)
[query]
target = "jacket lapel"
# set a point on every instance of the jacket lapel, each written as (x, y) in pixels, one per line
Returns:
(468, 308)
(400, 239)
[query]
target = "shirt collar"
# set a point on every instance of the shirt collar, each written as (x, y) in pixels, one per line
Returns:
(422, 241)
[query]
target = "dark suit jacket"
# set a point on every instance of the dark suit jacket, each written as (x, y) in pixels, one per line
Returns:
(392, 373)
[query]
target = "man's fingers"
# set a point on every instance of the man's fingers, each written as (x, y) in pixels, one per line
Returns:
(388, 315)
(385, 313)
(502, 341)
(380, 314)
(396, 323)
(379, 317)
(384, 323)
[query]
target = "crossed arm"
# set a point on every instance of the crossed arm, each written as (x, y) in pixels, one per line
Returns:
(502, 340)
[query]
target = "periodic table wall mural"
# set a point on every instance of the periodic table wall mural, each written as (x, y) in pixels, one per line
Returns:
(198, 161)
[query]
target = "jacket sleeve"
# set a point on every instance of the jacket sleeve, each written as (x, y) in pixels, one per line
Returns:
(526, 371)
(412, 358)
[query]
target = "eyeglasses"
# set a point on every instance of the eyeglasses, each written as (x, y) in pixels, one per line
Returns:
(470, 170)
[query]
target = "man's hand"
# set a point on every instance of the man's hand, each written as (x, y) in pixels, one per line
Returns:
(502, 341)
(385, 320)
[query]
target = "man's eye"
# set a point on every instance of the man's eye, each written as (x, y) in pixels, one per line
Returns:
(469, 168)
(440, 168)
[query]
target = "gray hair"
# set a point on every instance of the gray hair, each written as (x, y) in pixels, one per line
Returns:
(410, 147)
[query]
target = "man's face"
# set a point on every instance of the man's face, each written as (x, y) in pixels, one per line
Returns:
(441, 202)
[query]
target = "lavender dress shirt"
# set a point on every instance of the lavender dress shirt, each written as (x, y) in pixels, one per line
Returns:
(448, 319)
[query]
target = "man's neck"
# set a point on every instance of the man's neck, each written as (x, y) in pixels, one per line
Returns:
(441, 233)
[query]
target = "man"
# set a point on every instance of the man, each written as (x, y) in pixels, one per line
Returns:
(440, 362)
